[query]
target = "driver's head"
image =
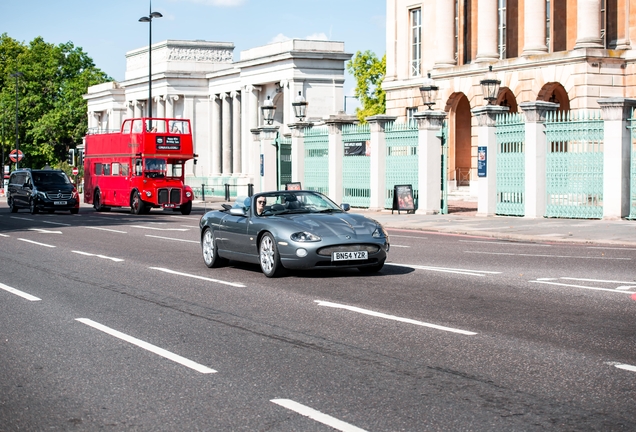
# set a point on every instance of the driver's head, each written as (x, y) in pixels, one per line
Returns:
(261, 202)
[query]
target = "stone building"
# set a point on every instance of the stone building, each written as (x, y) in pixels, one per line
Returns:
(201, 81)
(572, 52)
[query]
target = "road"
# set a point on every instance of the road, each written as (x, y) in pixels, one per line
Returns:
(111, 321)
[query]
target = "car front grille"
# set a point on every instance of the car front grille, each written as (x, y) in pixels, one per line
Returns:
(59, 195)
(327, 251)
(169, 196)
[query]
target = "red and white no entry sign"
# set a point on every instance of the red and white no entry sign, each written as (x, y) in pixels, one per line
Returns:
(75, 171)
(16, 155)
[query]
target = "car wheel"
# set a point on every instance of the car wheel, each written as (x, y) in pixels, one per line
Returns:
(33, 209)
(372, 269)
(186, 208)
(269, 257)
(12, 206)
(74, 211)
(136, 204)
(211, 256)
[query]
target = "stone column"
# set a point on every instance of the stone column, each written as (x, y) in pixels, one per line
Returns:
(138, 107)
(487, 186)
(429, 155)
(487, 31)
(288, 98)
(130, 109)
(445, 34)
(617, 142)
(377, 124)
(534, 22)
(170, 101)
(236, 133)
(265, 161)
(336, 154)
(536, 146)
(161, 107)
(298, 151)
(588, 24)
(216, 137)
(250, 101)
(226, 142)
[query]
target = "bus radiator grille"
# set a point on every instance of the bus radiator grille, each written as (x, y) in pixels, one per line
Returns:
(172, 196)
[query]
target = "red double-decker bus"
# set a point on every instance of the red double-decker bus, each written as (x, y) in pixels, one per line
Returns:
(141, 166)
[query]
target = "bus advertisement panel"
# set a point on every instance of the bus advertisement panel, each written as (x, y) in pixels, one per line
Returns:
(140, 166)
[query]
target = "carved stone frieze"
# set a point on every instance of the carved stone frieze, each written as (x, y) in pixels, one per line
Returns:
(200, 55)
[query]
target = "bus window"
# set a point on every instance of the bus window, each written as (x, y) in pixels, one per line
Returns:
(137, 126)
(179, 127)
(106, 169)
(175, 169)
(116, 168)
(155, 126)
(138, 169)
(155, 167)
(124, 169)
(98, 169)
(127, 125)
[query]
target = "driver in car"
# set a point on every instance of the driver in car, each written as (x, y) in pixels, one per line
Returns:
(261, 202)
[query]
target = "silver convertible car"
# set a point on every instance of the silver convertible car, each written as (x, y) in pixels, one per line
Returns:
(292, 230)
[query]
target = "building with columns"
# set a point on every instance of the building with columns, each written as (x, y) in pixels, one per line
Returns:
(201, 81)
(571, 52)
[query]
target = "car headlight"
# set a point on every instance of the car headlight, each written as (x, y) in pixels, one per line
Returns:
(148, 194)
(304, 237)
(379, 233)
(188, 194)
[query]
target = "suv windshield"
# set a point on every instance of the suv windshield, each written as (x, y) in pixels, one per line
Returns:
(42, 179)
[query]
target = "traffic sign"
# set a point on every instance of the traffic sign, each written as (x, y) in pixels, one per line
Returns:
(75, 171)
(16, 155)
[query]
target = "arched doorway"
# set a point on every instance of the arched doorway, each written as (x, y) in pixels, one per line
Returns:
(508, 99)
(459, 139)
(554, 92)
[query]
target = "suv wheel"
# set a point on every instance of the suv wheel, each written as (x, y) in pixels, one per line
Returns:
(12, 206)
(33, 209)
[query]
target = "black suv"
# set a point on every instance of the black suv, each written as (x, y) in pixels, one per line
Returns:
(45, 189)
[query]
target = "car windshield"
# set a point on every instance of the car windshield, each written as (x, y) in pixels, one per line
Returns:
(292, 202)
(43, 179)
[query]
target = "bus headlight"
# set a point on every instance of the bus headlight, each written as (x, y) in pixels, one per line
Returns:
(188, 194)
(148, 194)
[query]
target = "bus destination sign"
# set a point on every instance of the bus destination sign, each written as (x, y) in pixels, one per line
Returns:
(168, 143)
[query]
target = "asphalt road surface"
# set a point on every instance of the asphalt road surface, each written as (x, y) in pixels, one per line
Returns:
(110, 321)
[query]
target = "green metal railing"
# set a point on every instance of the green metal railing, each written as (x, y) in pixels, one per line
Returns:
(574, 165)
(401, 159)
(511, 164)
(317, 159)
(356, 166)
(632, 126)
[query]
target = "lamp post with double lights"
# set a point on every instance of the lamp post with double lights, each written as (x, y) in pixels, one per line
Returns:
(17, 76)
(149, 19)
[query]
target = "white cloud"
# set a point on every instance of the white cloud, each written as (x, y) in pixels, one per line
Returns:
(317, 36)
(279, 38)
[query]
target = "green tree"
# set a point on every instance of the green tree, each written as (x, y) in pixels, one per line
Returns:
(52, 111)
(369, 72)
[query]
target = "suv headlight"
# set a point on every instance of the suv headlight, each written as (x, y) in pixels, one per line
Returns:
(304, 236)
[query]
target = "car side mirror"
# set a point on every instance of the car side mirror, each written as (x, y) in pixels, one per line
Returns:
(345, 207)
(237, 211)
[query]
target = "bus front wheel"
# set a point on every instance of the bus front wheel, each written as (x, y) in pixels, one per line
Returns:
(137, 206)
(186, 208)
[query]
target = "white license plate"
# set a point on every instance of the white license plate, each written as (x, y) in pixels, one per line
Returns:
(169, 205)
(346, 256)
(60, 202)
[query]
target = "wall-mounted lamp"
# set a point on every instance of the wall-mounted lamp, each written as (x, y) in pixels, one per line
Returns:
(268, 110)
(490, 86)
(300, 107)
(428, 90)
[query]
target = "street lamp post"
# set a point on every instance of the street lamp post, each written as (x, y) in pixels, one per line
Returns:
(17, 76)
(148, 19)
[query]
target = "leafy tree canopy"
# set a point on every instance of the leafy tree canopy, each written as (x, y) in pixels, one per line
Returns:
(51, 110)
(369, 72)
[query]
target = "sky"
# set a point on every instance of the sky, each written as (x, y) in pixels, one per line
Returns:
(107, 29)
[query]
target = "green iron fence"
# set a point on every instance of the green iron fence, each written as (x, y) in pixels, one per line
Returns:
(632, 126)
(317, 159)
(574, 165)
(283, 147)
(401, 159)
(356, 177)
(511, 165)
